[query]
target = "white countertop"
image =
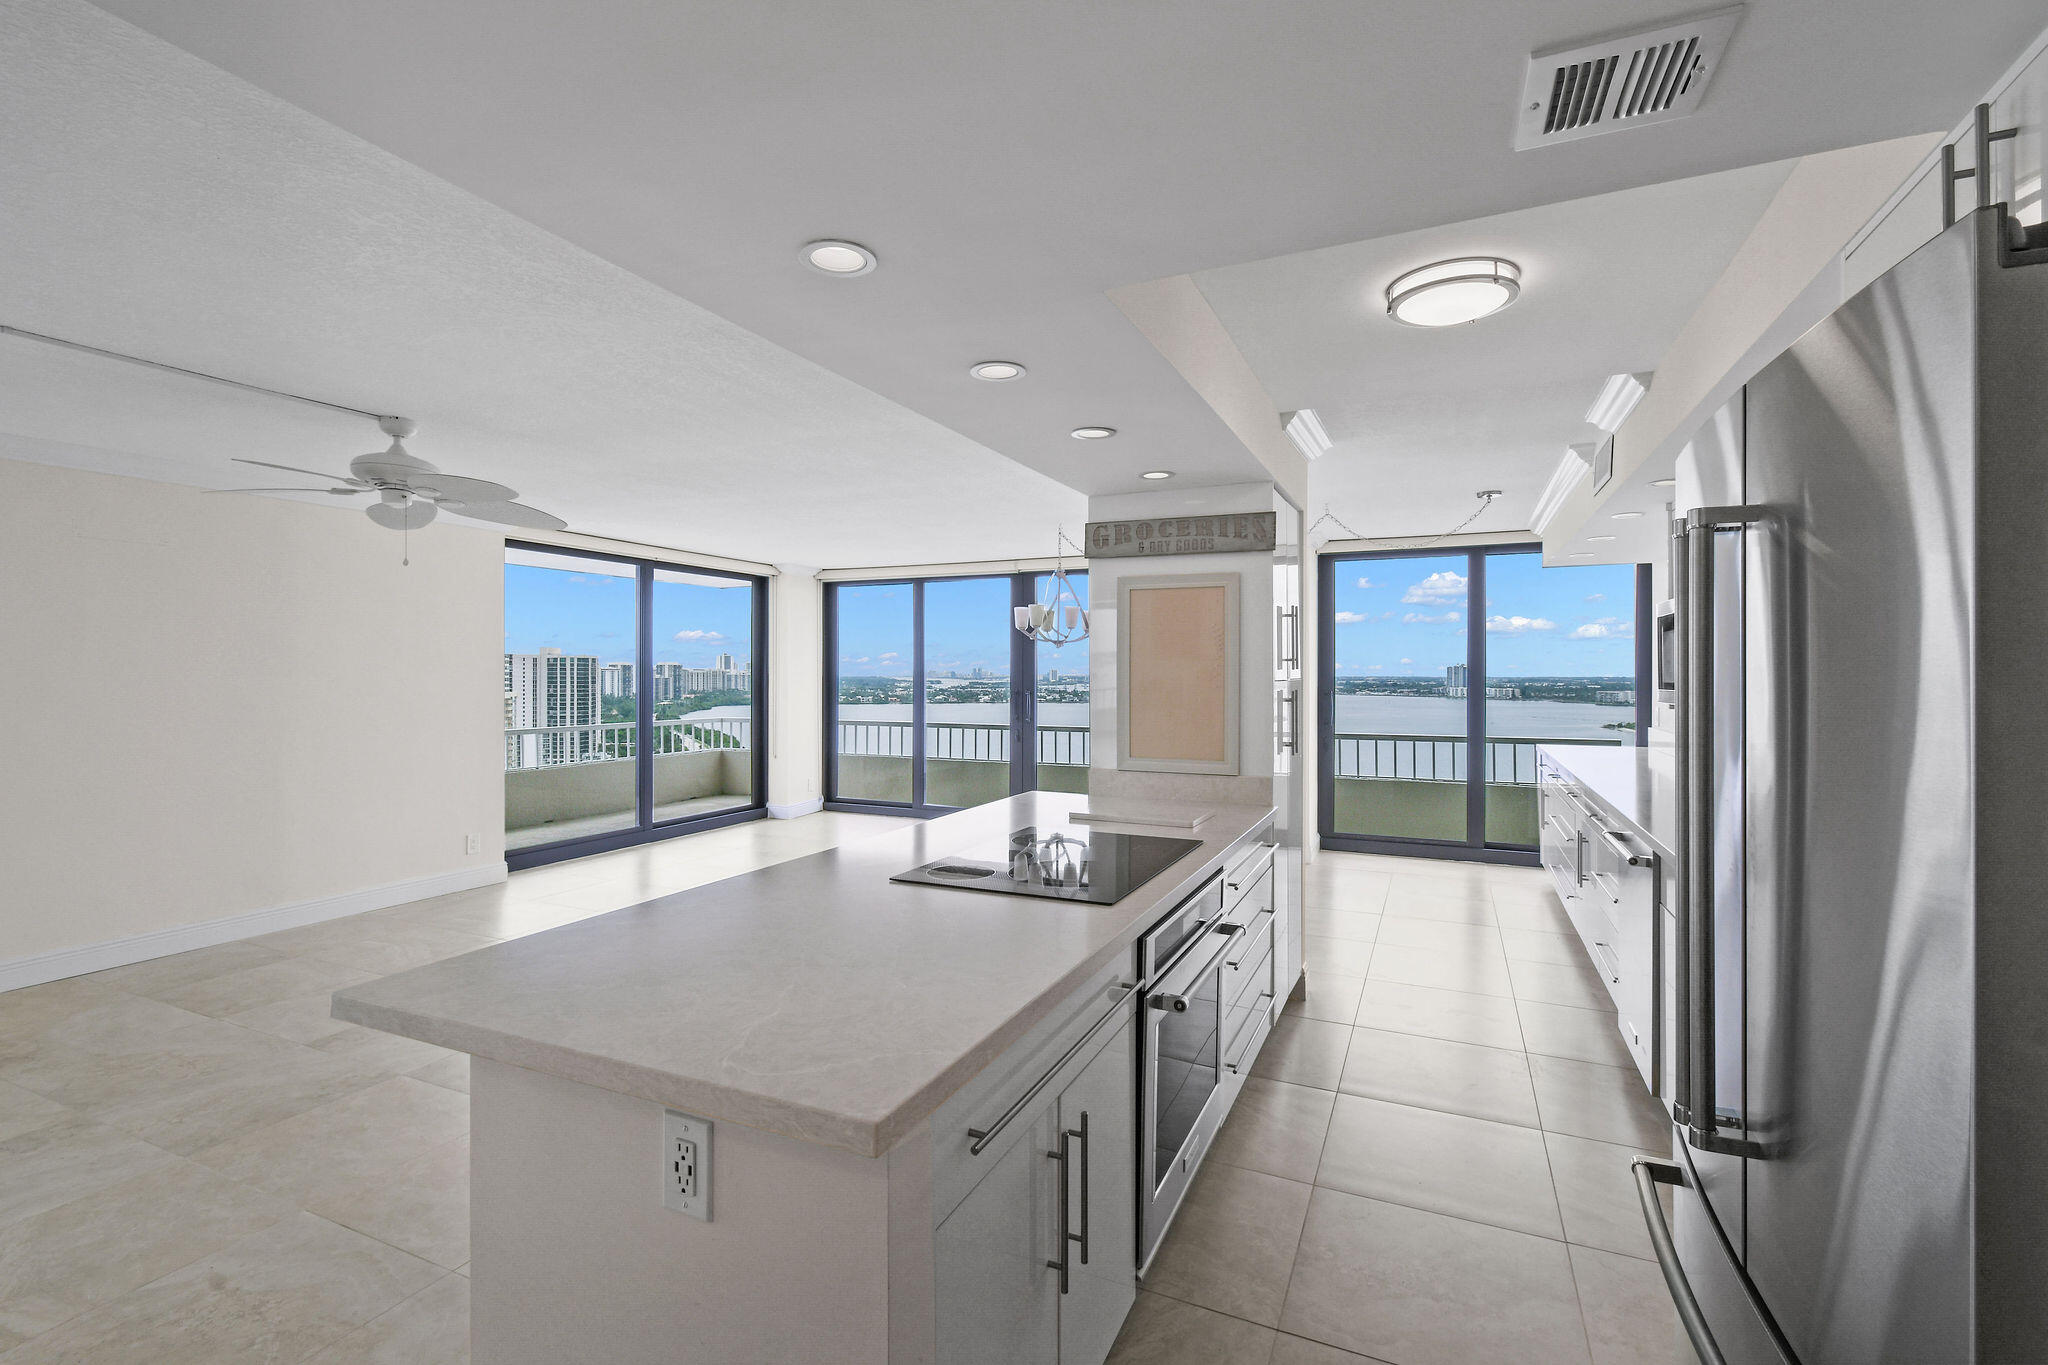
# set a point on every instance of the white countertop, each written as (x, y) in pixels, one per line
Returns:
(1637, 783)
(813, 998)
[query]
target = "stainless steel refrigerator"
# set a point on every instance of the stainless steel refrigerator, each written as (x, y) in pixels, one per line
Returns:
(1859, 978)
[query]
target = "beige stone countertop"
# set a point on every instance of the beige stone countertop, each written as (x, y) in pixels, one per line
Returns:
(813, 998)
(1637, 783)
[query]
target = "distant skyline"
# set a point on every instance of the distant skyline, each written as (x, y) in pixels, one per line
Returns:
(593, 613)
(1408, 617)
(967, 626)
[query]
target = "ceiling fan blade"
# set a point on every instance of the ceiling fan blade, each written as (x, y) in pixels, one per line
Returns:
(455, 488)
(510, 513)
(294, 469)
(407, 516)
(348, 492)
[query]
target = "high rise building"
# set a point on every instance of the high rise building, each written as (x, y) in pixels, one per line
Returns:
(1454, 680)
(670, 682)
(554, 692)
(617, 681)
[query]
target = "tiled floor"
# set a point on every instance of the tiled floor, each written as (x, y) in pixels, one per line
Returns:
(198, 1165)
(1429, 1163)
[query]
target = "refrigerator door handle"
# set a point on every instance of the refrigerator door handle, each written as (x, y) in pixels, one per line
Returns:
(1694, 1098)
(1650, 1173)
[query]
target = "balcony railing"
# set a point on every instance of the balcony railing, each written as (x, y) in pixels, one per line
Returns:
(1510, 761)
(1058, 745)
(552, 746)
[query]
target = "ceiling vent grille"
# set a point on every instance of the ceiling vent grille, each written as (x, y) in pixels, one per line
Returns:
(1625, 82)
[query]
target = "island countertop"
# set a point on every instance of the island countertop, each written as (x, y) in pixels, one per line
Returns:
(812, 998)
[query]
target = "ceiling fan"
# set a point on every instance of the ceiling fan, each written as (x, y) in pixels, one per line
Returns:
(410, 492)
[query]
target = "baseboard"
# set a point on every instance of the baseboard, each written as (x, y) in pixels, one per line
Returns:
(796, 808)
(98, 957)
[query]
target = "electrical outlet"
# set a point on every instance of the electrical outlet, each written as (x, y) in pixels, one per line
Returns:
(686, 1164)
(472, 843)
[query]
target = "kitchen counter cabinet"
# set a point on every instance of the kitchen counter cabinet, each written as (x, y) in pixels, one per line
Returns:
(840, 1032)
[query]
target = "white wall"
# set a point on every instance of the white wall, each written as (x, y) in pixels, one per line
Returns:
(217, 705)
(796, 701)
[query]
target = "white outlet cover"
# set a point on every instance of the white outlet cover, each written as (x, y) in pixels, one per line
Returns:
(686, 1164)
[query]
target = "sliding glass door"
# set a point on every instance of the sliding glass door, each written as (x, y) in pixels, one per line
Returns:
(935, 701)
(1443, 672)
(634, 703)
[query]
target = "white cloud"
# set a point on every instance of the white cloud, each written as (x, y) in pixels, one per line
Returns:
(890, 655)
(1437, 590)
(1407, 661)
(849, 659)
(1596, 597)
(1517, 625)
(1348, 618)
(698, 635)
(1606, 628)
(1416, 618)
(1375, 668)
(1365, 582)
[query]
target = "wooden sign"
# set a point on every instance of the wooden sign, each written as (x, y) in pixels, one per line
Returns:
(1220, 533)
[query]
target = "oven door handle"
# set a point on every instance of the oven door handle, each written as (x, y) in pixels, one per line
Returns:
(983, 1136)
(1174, 998)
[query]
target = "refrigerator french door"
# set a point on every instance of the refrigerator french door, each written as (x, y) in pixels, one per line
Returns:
(1860, 1080)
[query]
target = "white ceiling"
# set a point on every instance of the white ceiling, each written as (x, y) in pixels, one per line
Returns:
(1010, 162)
(1422, 418)
(151, 203)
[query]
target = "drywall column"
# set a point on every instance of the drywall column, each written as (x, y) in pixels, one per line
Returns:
(796, 635)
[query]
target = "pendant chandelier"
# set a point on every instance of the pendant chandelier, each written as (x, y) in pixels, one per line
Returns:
(1059, 618)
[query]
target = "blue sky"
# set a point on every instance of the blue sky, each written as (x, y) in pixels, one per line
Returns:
(1408, 617)
(967, 626)
(592, 613)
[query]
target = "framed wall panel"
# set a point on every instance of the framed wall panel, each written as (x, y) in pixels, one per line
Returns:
(1177, 674)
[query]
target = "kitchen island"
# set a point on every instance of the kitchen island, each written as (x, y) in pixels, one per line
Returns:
(839, 1032)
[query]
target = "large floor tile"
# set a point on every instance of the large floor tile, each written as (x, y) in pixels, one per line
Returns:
(451, 1071)
(1406, 1285)
(402, 951)
(31, 1009)
(1578, 986)
(380, 1051)
(1566, 1031)
(1338, 956)
(1336, 886)
(1480, 972)
(420, 1206)
(1605, 1103)
(120, 1023)
(1494, 1173)
(275, 1295)
(430, 1328)
(24, 1110)
(1445, 936)
(1304, 1051)
(76, 1256)
(1538, 945)
(1421, 898)
(1628, 1313)
(1543, 913)
(1461, 1016)
(1333, 998)
(234, 992)
(1164, 1331)
(1276, 1128)
(1290, 1350)
(180, 969)
(1435, 1073)
(1232, 1244)
(302, 1019)
(58, 1162)
(363, 1136)
(1596, 1193)
(1340, 923)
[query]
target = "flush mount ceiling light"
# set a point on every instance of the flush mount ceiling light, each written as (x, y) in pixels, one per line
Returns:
(831, 256)
(1092, 433)
(1580, 554)
(1618, 398)
(1625, 516)
(997, 371)
(1157, 474)
(1450, 292)
(1662, 483)
(1594, 538)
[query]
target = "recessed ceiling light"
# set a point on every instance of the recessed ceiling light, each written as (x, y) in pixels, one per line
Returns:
(996, 371)
(1599, 537)
(1662, 483)
(834, 257)
(1625, 516)
(1157, 474)
(1451, 292)
(1093, 433)
(1580, 554)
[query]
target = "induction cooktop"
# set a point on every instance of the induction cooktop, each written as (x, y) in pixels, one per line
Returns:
(1062, 863)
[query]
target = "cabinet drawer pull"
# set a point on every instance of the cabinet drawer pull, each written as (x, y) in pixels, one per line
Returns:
(1251, 1031)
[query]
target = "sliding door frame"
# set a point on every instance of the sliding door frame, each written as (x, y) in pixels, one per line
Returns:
(645, 828)
(1474, 847)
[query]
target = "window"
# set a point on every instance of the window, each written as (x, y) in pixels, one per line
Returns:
(632, 701)
(937, 702)
(1442, 673)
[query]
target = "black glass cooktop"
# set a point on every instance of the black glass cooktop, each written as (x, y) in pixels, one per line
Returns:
(1065, 864)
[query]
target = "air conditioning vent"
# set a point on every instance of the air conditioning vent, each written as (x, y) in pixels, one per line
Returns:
(1625, 82)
